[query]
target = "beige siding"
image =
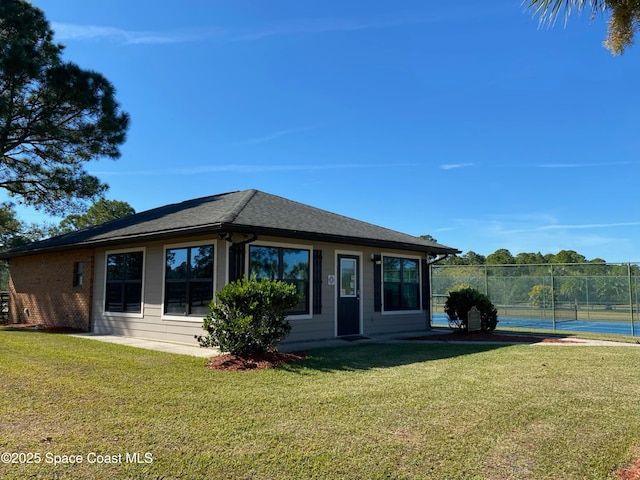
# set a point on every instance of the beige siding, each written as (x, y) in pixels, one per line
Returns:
(154, 265)
(372, 322)
(151, 323)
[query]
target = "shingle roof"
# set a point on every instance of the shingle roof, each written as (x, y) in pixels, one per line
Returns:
(248, 211)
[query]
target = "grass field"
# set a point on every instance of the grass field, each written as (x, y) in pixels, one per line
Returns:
(423, 411)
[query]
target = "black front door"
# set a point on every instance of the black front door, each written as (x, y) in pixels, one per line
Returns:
(348, 295)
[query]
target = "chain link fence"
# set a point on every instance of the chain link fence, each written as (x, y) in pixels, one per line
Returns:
(592, 296)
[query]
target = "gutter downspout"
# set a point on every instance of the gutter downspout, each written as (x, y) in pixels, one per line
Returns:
(238, 253)
(439, 258)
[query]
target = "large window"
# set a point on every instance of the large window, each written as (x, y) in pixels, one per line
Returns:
(124, 282)
(188, 277)
(401, 277)
(287, 264)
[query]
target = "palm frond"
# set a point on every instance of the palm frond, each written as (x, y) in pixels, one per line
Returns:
(549, 10)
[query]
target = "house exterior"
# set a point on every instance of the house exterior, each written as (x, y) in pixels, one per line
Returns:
(153, 274)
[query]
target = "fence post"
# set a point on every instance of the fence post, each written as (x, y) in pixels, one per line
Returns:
(635, 289)
(486, 280)
(553, 297)
(630, 298)
(586, 285)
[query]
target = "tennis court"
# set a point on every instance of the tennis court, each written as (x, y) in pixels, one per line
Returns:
(595, 326)
(580, 297)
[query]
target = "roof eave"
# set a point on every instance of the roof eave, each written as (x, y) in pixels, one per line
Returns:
(328, 237)
(231, 227)
(119, 240)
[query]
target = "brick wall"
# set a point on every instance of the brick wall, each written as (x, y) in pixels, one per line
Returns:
(42, 289)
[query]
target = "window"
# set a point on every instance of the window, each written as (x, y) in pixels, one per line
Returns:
(188, 277)
(78, 267)
(290, 265)
(124, 282)
(401, 283)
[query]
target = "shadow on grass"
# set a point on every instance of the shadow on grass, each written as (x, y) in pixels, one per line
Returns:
(372, 356)
(351, 357)
(11, 327)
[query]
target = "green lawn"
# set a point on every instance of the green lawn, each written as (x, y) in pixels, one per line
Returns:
(424, 411)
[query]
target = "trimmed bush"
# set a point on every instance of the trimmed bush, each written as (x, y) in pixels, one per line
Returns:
(459, 303)
(249, 316)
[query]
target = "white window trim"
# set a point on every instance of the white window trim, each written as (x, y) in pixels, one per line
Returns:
(108, 314)
(302, 316)
(199, 243)
(409, 257)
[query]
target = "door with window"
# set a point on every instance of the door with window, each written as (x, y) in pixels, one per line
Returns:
(348, 295)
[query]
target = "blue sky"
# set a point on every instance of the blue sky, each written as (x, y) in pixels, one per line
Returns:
(472, 125)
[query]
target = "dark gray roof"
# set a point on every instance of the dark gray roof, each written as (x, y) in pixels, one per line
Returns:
(246, 211)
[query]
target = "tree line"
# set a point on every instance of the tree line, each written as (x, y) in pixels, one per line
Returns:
(503, 256)
(14, 232)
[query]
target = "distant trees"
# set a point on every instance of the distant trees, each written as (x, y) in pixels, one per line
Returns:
(503, 256)
(530, 258)
(100, 212)
(568, 256)
(10, 227)
(13, 232)
(428, 238)
(473, 258)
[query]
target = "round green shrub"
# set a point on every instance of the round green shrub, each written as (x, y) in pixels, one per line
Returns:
(459, 303)
(249, 316)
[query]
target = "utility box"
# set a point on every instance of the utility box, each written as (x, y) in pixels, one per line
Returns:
(473, 320)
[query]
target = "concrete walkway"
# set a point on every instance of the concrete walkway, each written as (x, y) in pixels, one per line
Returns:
(196, 351)
(168, 347)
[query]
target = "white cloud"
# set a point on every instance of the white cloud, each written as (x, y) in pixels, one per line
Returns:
(593, 225)
(67, 31)
(585, 226)
(250, 168)
(328, 25)
(311, 26)
(275, 135)
(583, 165)
(451, 166)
